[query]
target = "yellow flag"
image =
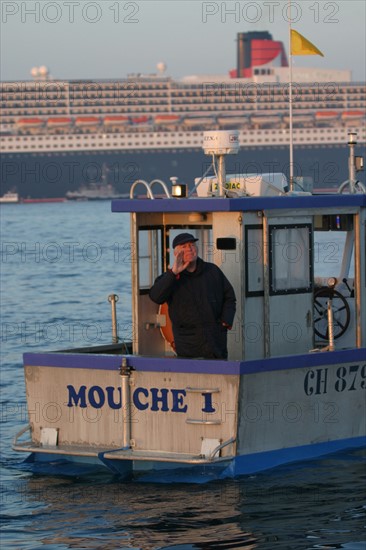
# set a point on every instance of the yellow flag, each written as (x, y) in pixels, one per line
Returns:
(301, 46)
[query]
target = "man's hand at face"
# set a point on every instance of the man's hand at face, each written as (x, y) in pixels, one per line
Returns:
(179, 263)
(185, 256)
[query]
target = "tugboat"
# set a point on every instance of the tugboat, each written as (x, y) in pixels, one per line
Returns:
(293, 386)
(102, 190)
(94, 192)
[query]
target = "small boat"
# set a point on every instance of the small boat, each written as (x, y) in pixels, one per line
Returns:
(232, 121)
(116, 120)
(166, 120)
(141, 119)
(299, 121)
(94, 192)
(265, 121)
(354, 118)
(326, 115)
(293, 385)
(87, 121)
(198, 121)
(353, 115)
(30, 122)
(59, 122)
(10, 197)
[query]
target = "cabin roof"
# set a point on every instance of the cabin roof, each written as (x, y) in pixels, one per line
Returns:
(243, 204)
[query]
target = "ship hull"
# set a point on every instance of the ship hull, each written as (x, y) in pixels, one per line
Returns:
(190, 420)
(53, 174)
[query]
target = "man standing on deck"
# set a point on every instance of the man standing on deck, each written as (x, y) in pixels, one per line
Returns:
(201, 302)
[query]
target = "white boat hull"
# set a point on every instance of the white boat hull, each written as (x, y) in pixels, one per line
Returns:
(200, 419)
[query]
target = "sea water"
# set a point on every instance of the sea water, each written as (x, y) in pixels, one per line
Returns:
(59, 264)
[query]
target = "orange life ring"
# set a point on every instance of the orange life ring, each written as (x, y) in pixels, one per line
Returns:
(167, 330)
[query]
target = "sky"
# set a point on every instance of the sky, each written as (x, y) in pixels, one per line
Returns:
(113, 38)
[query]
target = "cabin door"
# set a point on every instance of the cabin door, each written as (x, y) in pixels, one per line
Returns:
(288, 285)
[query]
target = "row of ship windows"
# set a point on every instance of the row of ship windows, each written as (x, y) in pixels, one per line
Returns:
(213, 95)
(62, 87)
(151, 107)
(89, 99)
(172, 109)
(180, 107)
(9, 116)
(224, 96)
(175, 109)
(106, 140)
(144, 143)
(78, 138)
(69, 87)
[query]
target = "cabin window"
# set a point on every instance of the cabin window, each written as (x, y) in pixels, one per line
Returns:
(290, 259)
(149, 257)
(254, 260)
(333, 247)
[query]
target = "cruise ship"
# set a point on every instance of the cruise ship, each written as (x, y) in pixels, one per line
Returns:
(59, 136)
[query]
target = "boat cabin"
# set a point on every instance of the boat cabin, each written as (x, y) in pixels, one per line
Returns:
(286, 257)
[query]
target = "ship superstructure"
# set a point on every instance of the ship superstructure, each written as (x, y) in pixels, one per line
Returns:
(54, 119)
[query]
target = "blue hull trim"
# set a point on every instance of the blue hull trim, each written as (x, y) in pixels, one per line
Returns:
(154, 364)
(258, 462)
(158, 472)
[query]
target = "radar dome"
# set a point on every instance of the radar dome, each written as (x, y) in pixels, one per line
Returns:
(161, 67)
(35, 72)
(43, 71)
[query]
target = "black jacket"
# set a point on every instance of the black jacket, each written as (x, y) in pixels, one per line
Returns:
(199, 303)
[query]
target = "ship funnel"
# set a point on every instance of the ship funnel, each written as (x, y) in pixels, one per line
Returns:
(257, 52)
(244, 48)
